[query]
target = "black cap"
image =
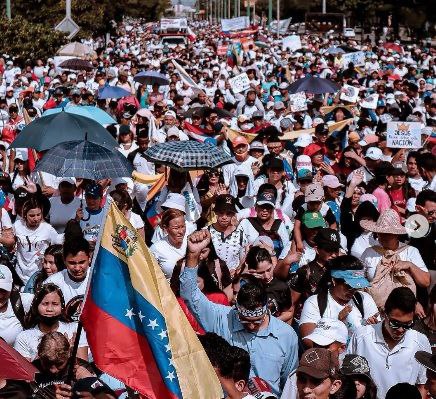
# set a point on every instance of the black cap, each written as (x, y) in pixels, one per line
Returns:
(276, 163)
(124, 129)
(225, 203)
(58, 92)
(355, 365)
(328, 239)
(322, 128)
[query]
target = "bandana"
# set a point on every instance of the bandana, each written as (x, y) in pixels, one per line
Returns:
(251, 313)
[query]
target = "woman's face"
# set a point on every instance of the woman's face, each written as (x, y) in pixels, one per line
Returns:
(176, 230)
(241, 182)
(49, 265)
(360, 387)
(355, 198)
(399, 180)
(213, 177)
(51, 305)
(333, 192)
(339, 116)
(125, 138)
(274, 175)
(20, 164)
(317, 159)
(342, 290)
(264, 212)
(34, 217)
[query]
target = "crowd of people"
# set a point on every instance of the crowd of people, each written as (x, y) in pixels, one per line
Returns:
(307, 266)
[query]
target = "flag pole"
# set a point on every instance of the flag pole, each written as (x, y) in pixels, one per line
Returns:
(73, 355)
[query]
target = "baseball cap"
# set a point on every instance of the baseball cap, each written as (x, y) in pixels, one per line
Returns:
(318, 363)
(275, 163)
(304, 174)
(240, 140)
(173, 131)
(353, 278)
(23, 155)
(303, 162)
(314, 192)
(257, 114)
(175, 201)
(92, 385)
(331, 181)
(225, 202)
(358, 365)
(369, 139)
(374, 153)
(312, 149)
(5, 278)
(94, 190)
(328, 239)
(279, 105)
(257, 145)
(170, 113)
(286, 123)
(70, 180)
(322, 128)
(263, 240)
(313, 220)
(266, 198)
(283, 86)
(303, 141)
(328, 331)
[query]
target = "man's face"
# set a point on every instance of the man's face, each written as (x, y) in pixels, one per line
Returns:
(143, 143)
(77, 265)
(428, 210)
(326, 254)
(397, 323)
(169, 120)
(252, 324)
(251, 98)
(412, 167)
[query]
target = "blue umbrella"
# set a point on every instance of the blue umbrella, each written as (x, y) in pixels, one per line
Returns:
(314, 85)
(112, 92)
(95, 113)
(150, 78)
(86, 160)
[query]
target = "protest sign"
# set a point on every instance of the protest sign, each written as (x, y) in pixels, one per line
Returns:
(291, 43)
(404, 135)
(370, 101)
(232, 24)
(349, 93)
(240, 83)
(357, 58)
(173, 23)
(283, 26)
(298, 102)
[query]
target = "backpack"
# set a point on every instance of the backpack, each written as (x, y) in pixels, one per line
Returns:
(272, 233)
(322, 302)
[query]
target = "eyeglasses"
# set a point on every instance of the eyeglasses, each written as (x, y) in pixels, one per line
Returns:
(396, 325)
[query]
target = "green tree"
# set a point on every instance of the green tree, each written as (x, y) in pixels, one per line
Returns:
(27, 40)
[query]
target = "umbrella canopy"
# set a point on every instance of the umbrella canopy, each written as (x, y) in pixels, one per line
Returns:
(347, 49)
(261, 44)
(46, 132)
(334, 50)
(112, 92)
(86, 160)
(314, 85)
(394, 47)
(13, 366)
(95, 113)
(187, 155)
(76, 64)
(76, 49)
(150, 78)
(202, 111)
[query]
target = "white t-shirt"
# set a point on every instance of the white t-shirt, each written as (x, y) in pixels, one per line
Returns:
(229, 170)
(90, 224)
(371, 258)
(5, 220)
(60, 214)
(167, 256)
(10, 326)
(417, 183)
(311, 314)
(70, 289)
(364, 241)
(27, 341)
(31, 245)
(136, 221)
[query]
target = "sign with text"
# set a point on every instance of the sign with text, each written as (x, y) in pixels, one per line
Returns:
(173, 23)
(240, 83)
(291, 43)
(282, 27)
(404, 135)
(232, 24)
(349, 93)
(357, 58)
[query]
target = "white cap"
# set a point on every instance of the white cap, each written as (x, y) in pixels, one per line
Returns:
(23, 155)
(328, 331)
(81, 85)
(70, 180)
(304, 140)
(173, 132)
(5, 278)
(303, 162)
(374, 153)
(170, 113)
(175, 201)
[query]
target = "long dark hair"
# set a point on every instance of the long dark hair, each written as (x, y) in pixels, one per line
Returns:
(56, 251)
(32, 318)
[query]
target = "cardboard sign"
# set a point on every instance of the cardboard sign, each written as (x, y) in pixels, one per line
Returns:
(404, 135)
(349, 93)
(357, 58)
(240, 83)
(232, 24)
(173, 23)
(291, 43)
(298, 102)
(370, 101)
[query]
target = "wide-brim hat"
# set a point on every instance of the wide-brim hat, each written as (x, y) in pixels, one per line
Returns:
(428, 360)
(387, 223)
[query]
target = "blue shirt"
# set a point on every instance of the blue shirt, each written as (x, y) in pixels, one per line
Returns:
(273, 350)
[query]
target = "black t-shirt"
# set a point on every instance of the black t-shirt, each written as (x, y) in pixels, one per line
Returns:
(427, 247)
(279, 296)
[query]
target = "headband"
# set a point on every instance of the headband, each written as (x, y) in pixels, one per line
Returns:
(251, 313)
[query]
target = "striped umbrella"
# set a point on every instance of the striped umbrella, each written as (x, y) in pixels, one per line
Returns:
(187, 155)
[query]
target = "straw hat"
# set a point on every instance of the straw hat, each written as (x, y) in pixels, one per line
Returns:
(388, 223)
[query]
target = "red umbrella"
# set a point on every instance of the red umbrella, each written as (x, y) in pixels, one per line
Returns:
(13, 366)
(394, 47)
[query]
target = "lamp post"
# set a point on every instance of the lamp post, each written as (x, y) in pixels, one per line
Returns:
(8, 9)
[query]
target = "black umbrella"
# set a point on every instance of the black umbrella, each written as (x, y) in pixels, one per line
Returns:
(46, 132)
(86, 160)
(202, 111)
(76, 64)
(150, 78)
(314, 85)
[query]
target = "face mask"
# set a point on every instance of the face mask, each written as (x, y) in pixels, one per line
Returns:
(49, 320)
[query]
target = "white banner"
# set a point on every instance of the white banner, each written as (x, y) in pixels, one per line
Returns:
(404, 135)
(357, 58)
(240, 83)
(369, 102)
(298, 101)
(283, 25)
(349, 93)
(173, 23)
(228, 25)
(291, 43)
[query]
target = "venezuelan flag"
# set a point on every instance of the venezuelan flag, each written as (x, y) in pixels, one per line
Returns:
(135, 328)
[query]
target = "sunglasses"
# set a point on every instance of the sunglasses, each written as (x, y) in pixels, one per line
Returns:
(211, 174)
(396, 325)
